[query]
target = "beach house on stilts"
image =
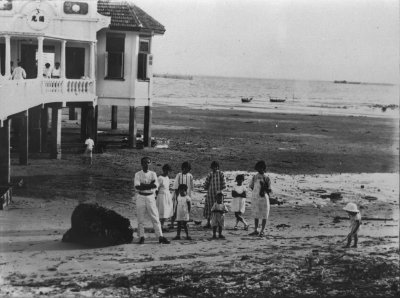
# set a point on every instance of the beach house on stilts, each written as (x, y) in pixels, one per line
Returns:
(104, 53)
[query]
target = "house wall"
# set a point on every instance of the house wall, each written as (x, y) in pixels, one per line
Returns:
(127, 92)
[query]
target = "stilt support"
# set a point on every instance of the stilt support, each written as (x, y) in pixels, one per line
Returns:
(132, 127)
(114, 117)
(56, 112)
(147, 126)
(5, 163)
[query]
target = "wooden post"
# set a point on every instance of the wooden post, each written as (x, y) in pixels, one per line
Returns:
(44, 124)
(90, 122)
(95, 123)
(147, 126)
(56, 113)
(84, 122)
(132, 127)
(5, 162)
(35, 131)
(71, 114)
(114, 117)
(23, 138)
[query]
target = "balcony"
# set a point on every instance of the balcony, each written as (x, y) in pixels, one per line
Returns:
(19, 95)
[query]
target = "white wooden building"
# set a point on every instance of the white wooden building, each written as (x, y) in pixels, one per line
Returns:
(104, 51)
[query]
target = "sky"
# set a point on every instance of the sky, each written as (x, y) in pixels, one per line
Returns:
(354, 40)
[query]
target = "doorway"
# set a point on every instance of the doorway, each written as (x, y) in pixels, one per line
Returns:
(28, 60)
(75, 63)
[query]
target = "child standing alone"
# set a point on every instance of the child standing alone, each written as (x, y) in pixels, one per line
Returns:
(261, 186)
(355, 221)
(218, 211)
(182, 211)
(239, 201)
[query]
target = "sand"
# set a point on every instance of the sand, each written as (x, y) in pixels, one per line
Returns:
(308, 158)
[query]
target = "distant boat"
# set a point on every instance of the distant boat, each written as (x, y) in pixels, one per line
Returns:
(276, 99)
(247, 99)
(346, 82)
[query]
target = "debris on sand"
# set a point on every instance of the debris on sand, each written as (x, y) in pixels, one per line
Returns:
(97, 226)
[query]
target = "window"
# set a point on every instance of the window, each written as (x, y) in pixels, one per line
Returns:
(115, 48)
(144, 51)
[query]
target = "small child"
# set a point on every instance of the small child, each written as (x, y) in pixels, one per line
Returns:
(164, 200)
(182, 178)
(218, 211)
(182, 211)
(355, 221)
(88, 154)
(239, 201)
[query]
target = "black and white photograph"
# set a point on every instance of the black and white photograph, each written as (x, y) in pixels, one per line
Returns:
(199, 148)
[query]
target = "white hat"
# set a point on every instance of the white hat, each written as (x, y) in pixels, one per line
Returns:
(351, 207)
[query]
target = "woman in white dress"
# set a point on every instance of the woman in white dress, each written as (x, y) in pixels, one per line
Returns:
(261, 188)
(164, 199)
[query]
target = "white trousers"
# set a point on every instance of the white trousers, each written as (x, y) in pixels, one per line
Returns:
(147, 204)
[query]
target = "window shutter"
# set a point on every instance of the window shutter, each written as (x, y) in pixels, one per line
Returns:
(122, 64)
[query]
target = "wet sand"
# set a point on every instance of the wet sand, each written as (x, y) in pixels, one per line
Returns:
(308, 156)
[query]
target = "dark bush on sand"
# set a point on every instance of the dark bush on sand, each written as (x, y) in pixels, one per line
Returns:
(96, 226)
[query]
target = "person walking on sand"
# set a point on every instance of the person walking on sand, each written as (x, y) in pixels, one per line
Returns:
(355, 222)
(88, 154)
(18, 73)
(218, 211)
(238, 204)
(184, 177)
(182, 211)
(146, 183)
(164, 200)
(261, 188)
(215, 182)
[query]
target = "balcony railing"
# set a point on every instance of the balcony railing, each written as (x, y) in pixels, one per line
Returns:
(19, 95)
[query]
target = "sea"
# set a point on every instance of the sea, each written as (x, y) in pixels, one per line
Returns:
(302, 96)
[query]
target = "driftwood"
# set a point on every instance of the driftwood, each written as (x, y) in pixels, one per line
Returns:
(363, 218)
(97, 226)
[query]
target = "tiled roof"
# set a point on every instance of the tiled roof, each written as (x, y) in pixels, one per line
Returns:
(128, 17)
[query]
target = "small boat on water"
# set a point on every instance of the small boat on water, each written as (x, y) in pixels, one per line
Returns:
(247, 99)
(276, 99)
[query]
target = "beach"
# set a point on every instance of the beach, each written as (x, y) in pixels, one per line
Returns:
(309, 156)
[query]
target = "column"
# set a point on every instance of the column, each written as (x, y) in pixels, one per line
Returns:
(5, 161)
(44, 125)
(147, 126)
(55, 151)
(84, 114)
(40, 57)
(92, 73)
(90, 122)
(132, 128)
(114, 117)
(95, 123)
(35, 131)
(7, 73)
(62, 62)
(23, 137)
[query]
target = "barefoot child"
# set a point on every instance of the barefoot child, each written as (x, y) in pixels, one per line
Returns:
(239, 201)
(355, 221)
(182, 211)
(215, 182)
(261, 188)
(182, 178)
(218, 211)
(88, 154)
(164, 200)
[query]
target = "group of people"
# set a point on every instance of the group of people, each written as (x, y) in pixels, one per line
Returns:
(19, 73)
(154, 198)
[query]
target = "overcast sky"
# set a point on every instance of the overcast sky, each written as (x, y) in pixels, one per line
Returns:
(301, 39)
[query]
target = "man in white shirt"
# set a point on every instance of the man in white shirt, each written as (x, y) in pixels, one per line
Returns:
(88, 154)
(18, 73)
(146, 184)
